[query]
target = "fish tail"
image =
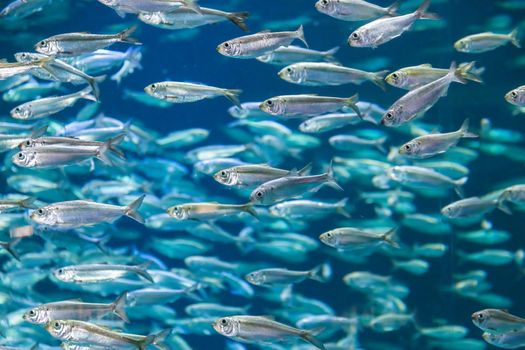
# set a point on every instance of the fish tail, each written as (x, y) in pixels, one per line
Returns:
(305, 170)
(352, 103)
(309, 337)
(392, 9)
(238, 18)
(330, 179)
(422, 13)
(391, 238)
(86, 94)
(500, 204)
(514, 37)
(8, 246)
(100, 243)
(93, 83)
(233, 96)
(300, 35)
(131, 210)
(470, 72)
(321, 273)
(459, 183)
(118, 307)
(109, 146)
(28, 203)
(114, 142)
(378, 78)
(156, 340)
(341, 208)
(455, 74)
(248, 207)
(124, 36)
(329, 54)
(465, 130)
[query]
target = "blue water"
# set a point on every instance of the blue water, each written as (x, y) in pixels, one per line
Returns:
(193, 58)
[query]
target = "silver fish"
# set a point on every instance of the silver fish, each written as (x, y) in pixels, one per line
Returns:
(178, 92)
(471, 207)
(516, 96)
(355, 10)
(7, 205)
(23, 8)
(253, 174)
(509, 340)
(487, 41)
(136, 6)
(96, 273)
(309, 210)
(307, 105)
(286, 55)
(208, 211)
(279, 276)
(329, 122)
(497, 321)
(420, 177)
(348, 238)
(10, 69)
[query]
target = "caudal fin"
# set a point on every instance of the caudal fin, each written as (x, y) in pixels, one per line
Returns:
(341, 208)
(299, 34)
(329, 55)
(131, 210)
(125, 36)
(421, 12)
(87, 95)
(352, 103)
(8, 246)
(459, 183)
(455, 74)
(248, 208)
(142, 271)
(390, 237)
(233, 96)
(310, 338)
(118, 307)
(378, 78)
(238, 18)
(321, 273)
(156, 340)
(392, 9)
(464, 130)
(514, 37)
(27, 203)
(330, 179)
(470, 72)
(192, 4)
(109, 147)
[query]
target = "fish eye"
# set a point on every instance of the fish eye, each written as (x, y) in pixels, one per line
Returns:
(289, 70)
(56, 325)
(407, 147)
(41, 212)
(328, 235)
(28, 143)
(223, 173)
(60, 271)
(32, 312)
(226, 45)
(223, 321)
(389, 116)
(43, 43)
(269, 102)
(395, 76)
(514, 94)
(480, 316)
(17, 109)
(355, 35)
(21, 156)
(259, 194)
(324, 2)
(153, 86)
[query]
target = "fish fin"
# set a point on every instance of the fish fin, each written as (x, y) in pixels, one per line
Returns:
(321, 273)
(124, 36)
(341, 208)
(500, 204)
(330, 181)
(392, 9)
(422, 13)
(93, 82)
(514, 37)
(459, 183)
(380, 145)
(193, 5)
(142, 271)
(309, 337)
(8, 246)
(300, 35)
(390, 237)
(305, 170)
(248, 208)
(102, 152)
(465, 132)
(233, 96)
(131, 210)
(456, 76)
(38, 131)
(114, 142)
(156, 340)
(470, 72)
(86, 94)
(378, 78)
(27, 203)
(329, 54)
(238, 19)
(118, 307)
(352, 103)
(245, 241)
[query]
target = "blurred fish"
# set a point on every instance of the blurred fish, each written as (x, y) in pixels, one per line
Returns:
(96, 273)
(176, 92)
(483, 42)
(355, 10)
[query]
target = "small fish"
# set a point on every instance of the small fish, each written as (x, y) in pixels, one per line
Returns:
(208, 211)
(497, 321)
(80, 213)
(348, 238)
(514, 194)
(79, 332)
(355, 10)
(509, 340)
(11, 69)
(516, 96)
(416, 267)
(255, 45)
(96, 273)
(385, 29)
(286, 55)
(262, 329)
(252, 175)
(73, 44)
(178, 92)
(137, 6)
(293, 106)
(19, 9)
(432, 144)
(51, 105)
(309, 210)
(279, 276)
(76, 310)
(487, 41)
(470, 207)
(329, 122)
(7, 205)
(292, 187)
(349, 142)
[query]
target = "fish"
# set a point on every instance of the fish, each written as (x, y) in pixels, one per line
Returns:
(261, 329)
(73, 44)
(285, 55)
(137, 6)
(432, 144)
(208, 211)
(329, 122)
(178, 92)
(355, 10)
(510, 340)
(97, 273)
(309, 210)
(259, 44)
(488, 41)
(329, 74)
(20, 9)
(11, 69)
(516, 96)
(253, 175)
(280, 276)
(300, 106)
(349, 238)
(8, 205)
(385, 29)
(471, 207)
(496, 321)
(80, 213)
(349, 142)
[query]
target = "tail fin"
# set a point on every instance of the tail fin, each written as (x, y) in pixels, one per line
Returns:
(124, 36)
(352, 103)
(470, 72)
(114, 142)
(455, 73)
(238, 19)
(514, 37)
(248, 208)
(329, 54)
(309, 337)
(305, 170)
(110, 146)
(27, 203)
(8, 246)
(86, 94)
(93, 83)
(321, 273)
(155, 340)
(380, 145)
(341, 208)
(392, 9)
(500, 204)
(421, 12)
(465, 132)
(330, 180)
(390, 237)
(233, 96)
(131, 210)
(378, 78)
(118, 307)
(459, 183)
(141, 271)
(300, 35)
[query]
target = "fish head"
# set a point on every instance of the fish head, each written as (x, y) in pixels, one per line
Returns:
(308, 126)
(22, 112)
(47, 47)
(273, 106)
(261, 195)
(392, 116)
(37, 315)
(24, 159)
(226, 177)
(480, 318)
(462, 45)
(227, 326)
(329, 238)
(178, 212)
(325, 6)
(229, 48)
(396, 79)
(30, 143)
(357, 38)
(256, 278)
(59, 329)
(277, 210)
(155, 89)
(26, 56)
(44, 216)
(151, 17)
(410, 148)
(449, 211)
(513, 97)
(64, 274)
(292, 74)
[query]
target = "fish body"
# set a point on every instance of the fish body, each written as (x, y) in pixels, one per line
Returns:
(355, 10)
(347, 238)
(280, 276)
(469, 207)
(137, 6)
(7, 205)
(96, 273)
(252, 175)
(286, 55)
(178, 92)
(420, 177)
(19, 9)
(309, 210)
(8, 70)
(293, 106)
(488, 41)
(516, 96)
(329, 122)
(208, 211)
(496, 321)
